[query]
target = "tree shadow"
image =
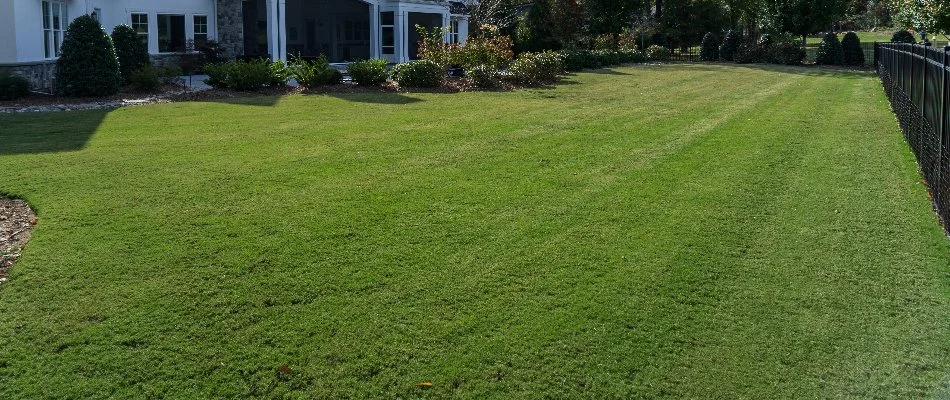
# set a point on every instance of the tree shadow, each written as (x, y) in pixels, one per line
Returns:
(371, 97)
(35, 133)
(606, 71)
(807, 70)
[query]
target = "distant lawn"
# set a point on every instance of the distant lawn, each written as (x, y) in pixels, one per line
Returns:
(677, 231)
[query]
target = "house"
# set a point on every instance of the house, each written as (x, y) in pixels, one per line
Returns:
(31, 31)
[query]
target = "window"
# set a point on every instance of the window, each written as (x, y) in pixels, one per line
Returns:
(353, 31)
(454, 31)
(386, 24)
(55, 19)
(140, 24)
(201, 28)
(97, 14)
(171, 33)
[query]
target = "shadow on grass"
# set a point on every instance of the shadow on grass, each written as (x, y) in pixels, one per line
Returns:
(35, 133)
(372, 98)
(606, 71)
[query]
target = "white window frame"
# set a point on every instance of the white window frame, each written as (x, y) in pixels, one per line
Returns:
(52, 35)
(382, 28)
(195, 25)
(144, 36)
(454, 30)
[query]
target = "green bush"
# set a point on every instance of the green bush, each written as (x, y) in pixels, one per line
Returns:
(829, 50)
(766, 40)
(145, 79)
(903, 37)
(279, 73)
(483, 76)
(318, 72)
(131, 51)
(606, 57)
(658, 53)
(419, 74)
(730, 46)
(576, 60)
(368, 72)
(87, 65)
(628, 56)
(752, 53)
(851, 46)
(787, 54)
(13, 87)
(532, 68)
(709, 51)
(241, 75)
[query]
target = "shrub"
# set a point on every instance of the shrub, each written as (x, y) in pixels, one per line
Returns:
(145, 79)
(829, 50)
(709, 51)
(491, 51)
(483, 76)
(210, 50)
(576, 60)
(13, 87)
(87, 65)
(131, 51)
(217, 74)
(787, 54)
(903, 37)
(316, 72)
(631, 56)
(730, 46)
(851, 47)
(279, 73)
(658, 53)
(752, 53)
(419, 74)
(766, 40)
(368, 72)
(432, 45)
(531, 68)
(606, 57)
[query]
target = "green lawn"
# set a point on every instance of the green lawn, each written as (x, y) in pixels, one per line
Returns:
(684, 231)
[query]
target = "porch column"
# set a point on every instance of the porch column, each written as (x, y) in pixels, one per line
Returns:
(402, 36)
(282, 27)
(273, 29)
(463, 29)
(446, 21)
(375, 51)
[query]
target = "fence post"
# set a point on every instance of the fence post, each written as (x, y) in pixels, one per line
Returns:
(877, 54)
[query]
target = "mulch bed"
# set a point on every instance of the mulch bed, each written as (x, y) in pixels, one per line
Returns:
(16, 224)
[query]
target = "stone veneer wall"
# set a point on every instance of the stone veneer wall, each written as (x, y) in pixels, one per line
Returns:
(231, 27)
(40, 74)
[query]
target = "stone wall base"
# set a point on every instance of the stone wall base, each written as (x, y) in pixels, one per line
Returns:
(40, 74)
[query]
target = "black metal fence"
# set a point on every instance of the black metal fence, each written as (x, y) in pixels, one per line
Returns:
(916, 79)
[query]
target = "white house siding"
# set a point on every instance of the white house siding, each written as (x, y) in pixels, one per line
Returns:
(7, 31)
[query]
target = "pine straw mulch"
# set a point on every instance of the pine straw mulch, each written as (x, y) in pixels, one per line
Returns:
(16, 224)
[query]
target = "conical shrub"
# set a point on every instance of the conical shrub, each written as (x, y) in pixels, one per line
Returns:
(130, 49)
(851, 46)
(829, 51)
(903, 37)
(709, 51)
(730, 46)
(87, 65)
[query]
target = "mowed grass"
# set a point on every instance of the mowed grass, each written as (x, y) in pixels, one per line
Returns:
(689, 231)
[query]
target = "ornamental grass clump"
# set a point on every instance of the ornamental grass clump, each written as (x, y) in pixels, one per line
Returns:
(851, 47)
(87, 65)
(829, 51)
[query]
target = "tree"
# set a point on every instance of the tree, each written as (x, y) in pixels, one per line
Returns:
(536, 32)
(87, 65)
(802, 17)
(130, 49)
(930, 15)
(829, 51)
(710, 48)
(611, 16)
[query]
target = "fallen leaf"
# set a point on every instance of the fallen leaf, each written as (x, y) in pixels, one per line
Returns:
(424, 384)
(285, 370)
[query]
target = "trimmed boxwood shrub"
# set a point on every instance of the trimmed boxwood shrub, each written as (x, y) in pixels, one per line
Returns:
(903, 37)
(418, 74)
(658, 53)
(316, 72)
(606, 57)
(532, 68)
(483, 76)
(787, 54)
(730, 46)
(130, 50)
(368, 72)
(829, 50)
(709, 51)
(145, 79)
(87, 65)
(851, 46)
(13, 87)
